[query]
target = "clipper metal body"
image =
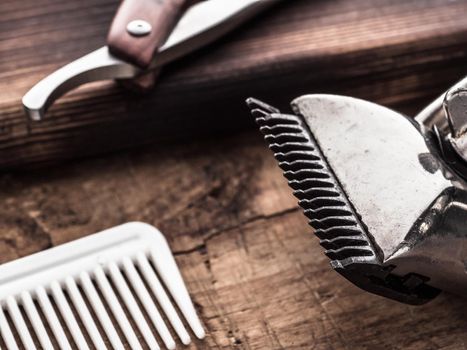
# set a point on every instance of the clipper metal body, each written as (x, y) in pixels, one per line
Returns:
(386, 194)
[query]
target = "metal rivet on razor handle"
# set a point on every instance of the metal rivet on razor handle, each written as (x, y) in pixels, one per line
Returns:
(138, 27)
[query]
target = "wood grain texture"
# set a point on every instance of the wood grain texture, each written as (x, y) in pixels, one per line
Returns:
(257, 275)
(397, 52)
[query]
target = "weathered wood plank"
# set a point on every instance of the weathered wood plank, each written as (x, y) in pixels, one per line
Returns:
(257, 275)
(400, 53)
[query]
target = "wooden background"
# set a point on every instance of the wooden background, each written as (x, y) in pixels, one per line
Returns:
(400, 53)
(255, 271)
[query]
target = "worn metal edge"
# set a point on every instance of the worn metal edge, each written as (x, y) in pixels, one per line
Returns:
(336, 223)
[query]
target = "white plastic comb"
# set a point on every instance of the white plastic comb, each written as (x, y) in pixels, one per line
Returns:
(105, 269)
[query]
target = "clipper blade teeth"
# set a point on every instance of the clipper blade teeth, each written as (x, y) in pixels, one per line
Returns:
(315, 185)
(340, 230)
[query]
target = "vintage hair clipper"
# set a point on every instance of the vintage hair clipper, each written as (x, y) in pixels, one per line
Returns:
(385, 193)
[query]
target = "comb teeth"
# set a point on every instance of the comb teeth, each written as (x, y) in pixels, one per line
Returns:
(316, 187)
(86, 280)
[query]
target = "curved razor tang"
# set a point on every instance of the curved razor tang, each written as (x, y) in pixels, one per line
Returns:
(98, 65)
(202, 24)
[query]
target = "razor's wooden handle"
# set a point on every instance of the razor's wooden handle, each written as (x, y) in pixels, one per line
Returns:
(162, 15)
